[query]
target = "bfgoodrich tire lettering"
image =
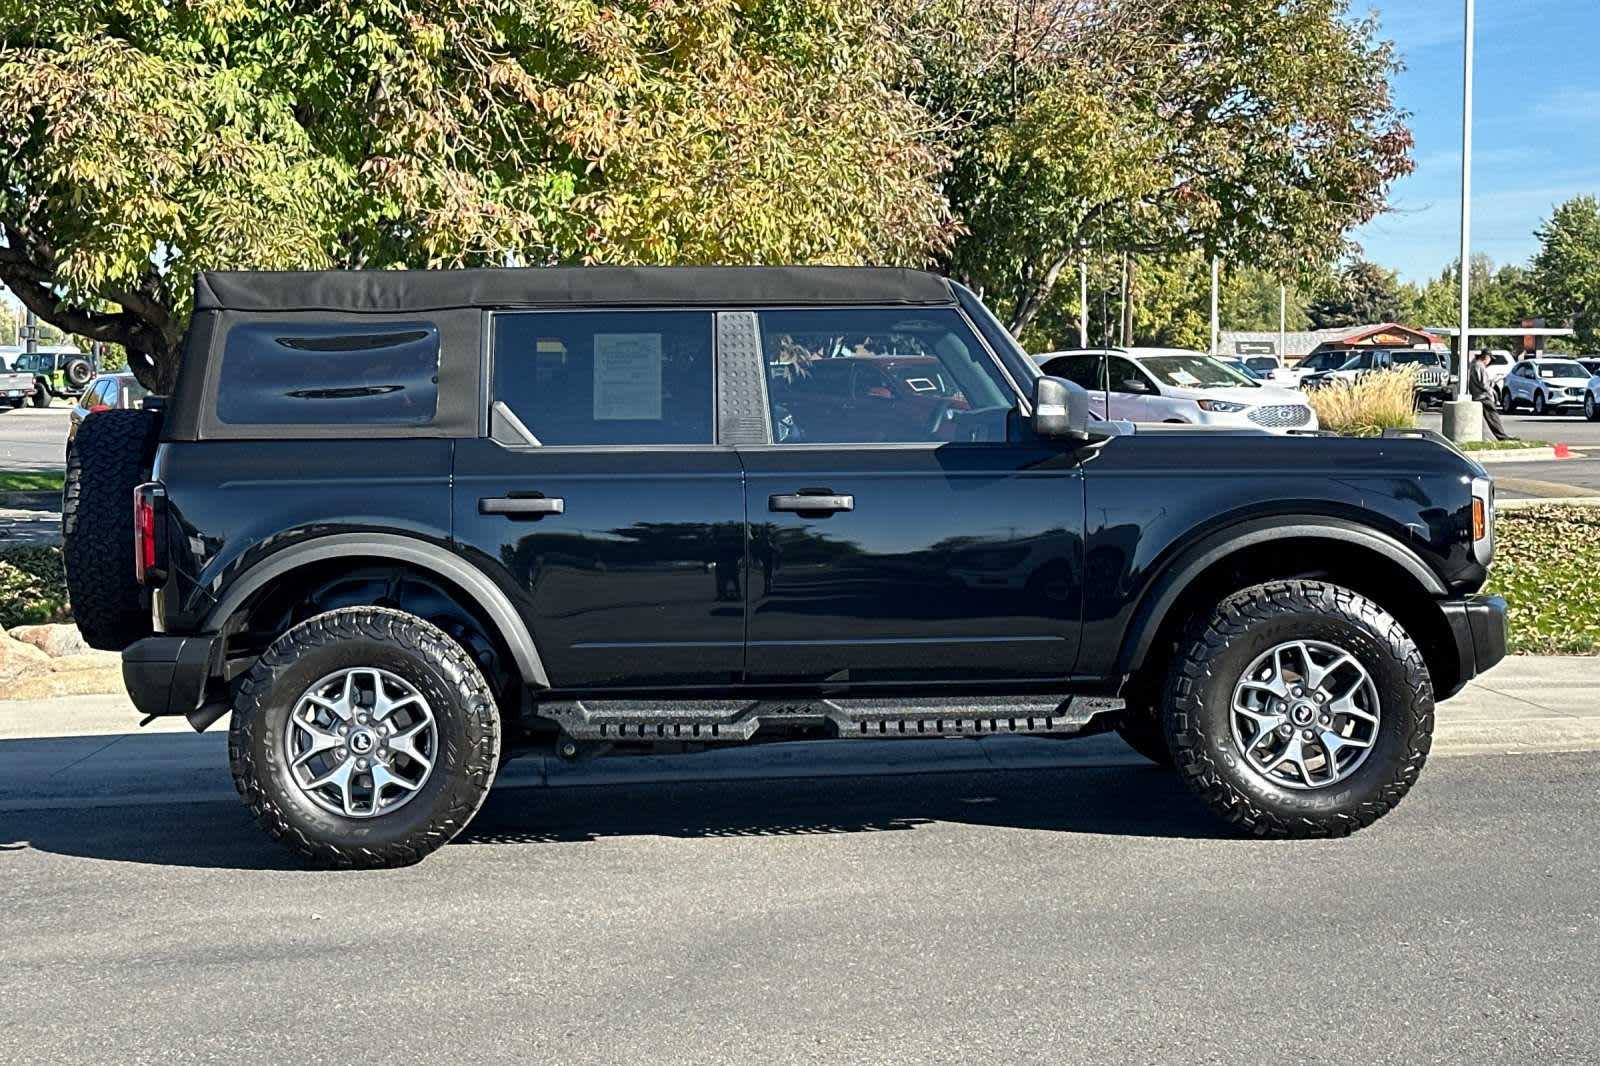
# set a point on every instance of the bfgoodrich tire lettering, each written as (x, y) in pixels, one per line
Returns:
(1214, 657)
(466, 758)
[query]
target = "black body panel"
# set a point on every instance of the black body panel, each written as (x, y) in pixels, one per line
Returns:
(956, 563)
(638, 581)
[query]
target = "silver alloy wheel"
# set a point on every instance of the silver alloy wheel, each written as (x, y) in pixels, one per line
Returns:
(1305, 714)
(361, 742)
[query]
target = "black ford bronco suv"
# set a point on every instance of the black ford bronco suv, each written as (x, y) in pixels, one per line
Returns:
(405, 525)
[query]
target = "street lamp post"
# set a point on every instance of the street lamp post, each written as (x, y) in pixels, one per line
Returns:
(1216, 277)
(1463, 419)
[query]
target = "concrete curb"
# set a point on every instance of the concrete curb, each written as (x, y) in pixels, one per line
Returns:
(1556, 453)
(1522, 504)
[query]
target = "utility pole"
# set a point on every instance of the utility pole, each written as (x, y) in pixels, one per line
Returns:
(1283, 321)
(30, 332)
(1216, 278)
(1463, 420)
(1083, 299)
(1127, 300)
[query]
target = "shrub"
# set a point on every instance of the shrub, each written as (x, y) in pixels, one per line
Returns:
(33, 588)
(1365, 407)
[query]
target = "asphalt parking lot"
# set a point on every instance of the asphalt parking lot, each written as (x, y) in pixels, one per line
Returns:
(34, 438)
(1087, 915)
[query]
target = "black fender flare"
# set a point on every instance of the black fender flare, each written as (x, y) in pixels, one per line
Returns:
(422, 554)
(1169, 584)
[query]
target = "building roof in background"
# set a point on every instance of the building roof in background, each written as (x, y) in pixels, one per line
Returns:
(1299, 343)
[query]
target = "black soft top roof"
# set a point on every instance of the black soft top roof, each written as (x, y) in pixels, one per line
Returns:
(420, 290)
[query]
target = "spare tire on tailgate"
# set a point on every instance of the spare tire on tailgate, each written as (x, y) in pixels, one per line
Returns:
(109, 457)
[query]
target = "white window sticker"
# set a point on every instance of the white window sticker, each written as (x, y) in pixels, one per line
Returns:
(627, 376)
(1183, 377)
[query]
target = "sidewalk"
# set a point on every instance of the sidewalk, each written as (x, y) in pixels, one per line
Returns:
(84, 751)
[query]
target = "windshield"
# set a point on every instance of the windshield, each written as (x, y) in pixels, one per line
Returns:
(1562, 370)
(1262, 362)
(1409, 358)
(1195, 372)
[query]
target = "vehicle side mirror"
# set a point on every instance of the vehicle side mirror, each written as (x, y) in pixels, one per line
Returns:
(1060, 409)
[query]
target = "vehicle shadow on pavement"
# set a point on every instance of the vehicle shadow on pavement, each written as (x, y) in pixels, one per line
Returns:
(1121, 801)
(1124, 801)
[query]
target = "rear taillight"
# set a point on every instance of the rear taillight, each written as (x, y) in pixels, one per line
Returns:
(148, 564)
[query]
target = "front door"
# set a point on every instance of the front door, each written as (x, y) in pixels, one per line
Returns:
(902, 541)
(602, 501)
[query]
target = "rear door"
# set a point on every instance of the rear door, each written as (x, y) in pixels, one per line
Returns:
(602, 500)
(885, 548)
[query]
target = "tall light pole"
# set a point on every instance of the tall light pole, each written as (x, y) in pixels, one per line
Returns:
(1283, 322)
(1463, 355)
(1463, 420)
(1083, 300)
(1216, 277)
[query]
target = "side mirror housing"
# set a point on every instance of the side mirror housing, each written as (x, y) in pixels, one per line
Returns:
(1060, 409)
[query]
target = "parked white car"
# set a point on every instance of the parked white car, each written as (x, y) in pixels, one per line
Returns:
(1175, 385)
(1316, 363)
(1591, 398)
(1544, 385)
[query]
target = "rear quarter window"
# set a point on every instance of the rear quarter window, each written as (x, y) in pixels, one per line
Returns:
(306, 373)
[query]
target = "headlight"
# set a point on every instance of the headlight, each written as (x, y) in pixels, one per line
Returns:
(1221, 406)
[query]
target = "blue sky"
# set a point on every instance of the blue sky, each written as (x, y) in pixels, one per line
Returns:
(1536, 127)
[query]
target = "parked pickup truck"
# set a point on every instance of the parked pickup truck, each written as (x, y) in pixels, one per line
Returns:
(405, 525)
(16, 388)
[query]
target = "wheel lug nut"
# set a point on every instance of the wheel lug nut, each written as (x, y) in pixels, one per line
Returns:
(1325, 719)
(1306, 734)
(1298, 691)
(344, 731)
(361, 718)
(1286, 730)
(361, 764)
(340, 754)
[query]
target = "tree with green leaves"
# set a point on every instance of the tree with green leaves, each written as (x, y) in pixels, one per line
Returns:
(1566, 270)
(1361, 293)
(1258, 130)
(140, 143)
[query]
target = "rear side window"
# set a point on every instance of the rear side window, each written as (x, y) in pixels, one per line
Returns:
(600, 378)
(383, 374)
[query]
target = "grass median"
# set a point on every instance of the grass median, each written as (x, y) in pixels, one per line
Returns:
(1547, 566)
(31, 481)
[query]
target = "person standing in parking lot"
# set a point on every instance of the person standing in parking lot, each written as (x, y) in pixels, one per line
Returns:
(1478, 388)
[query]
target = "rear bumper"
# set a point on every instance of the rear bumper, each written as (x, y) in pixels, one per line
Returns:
(1478, 624)
(170, 675)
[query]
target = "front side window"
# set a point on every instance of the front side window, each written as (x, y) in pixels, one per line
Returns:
(318, 373)
(604, 378)
(870, 376)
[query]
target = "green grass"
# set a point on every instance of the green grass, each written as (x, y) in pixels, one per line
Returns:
(1547, 566)
(1500, 445)
(31, 481)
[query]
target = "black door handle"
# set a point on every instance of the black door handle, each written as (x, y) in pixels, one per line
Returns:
(809, 503)
(522, 506)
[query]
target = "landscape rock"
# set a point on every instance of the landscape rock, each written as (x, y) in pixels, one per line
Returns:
(55, 639)
(18, 659)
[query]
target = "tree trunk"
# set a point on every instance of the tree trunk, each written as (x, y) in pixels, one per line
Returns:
(1034, 299)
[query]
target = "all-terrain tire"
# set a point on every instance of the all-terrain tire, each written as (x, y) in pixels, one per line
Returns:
(467, 755)
(108, 458)
(1214, 656)
(1142, 729)
(41, 393)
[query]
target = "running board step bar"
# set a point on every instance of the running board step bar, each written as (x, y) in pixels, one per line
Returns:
(862, 719)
